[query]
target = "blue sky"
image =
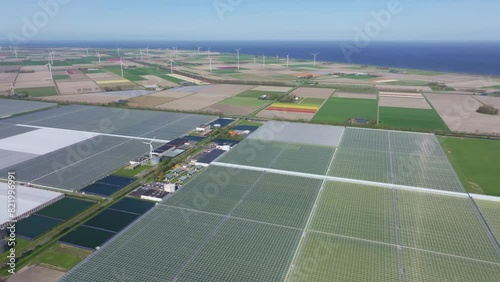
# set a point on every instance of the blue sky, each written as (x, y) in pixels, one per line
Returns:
(253, 19)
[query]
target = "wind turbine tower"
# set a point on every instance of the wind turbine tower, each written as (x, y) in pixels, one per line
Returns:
(238, 56)
(315, 54)
(49, 65)
(12, 90)
(121, 64)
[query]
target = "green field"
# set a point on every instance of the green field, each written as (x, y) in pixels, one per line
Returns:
(61, 63)
(131, 172)
(339, 110)
(312, 101)
(408, 83)
(423, 72)
(38, 92)
(476, 161)
(250, 102)
(226, 71)
(257, 94)
(417, 119)
(61, 77)
(86, 60)
(20, 244)
(359, 77)
(86, 70)
(250, 123)
(134, 74)
(353, 88)
(441, 88)
(61, 257)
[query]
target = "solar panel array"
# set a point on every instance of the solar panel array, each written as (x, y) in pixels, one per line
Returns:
(259, 224)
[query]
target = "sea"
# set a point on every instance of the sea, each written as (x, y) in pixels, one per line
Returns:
(482, 58)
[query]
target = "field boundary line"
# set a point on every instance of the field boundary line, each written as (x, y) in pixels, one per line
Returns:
(404, 247)
(345, 180)
(485, 225)
(95, 134)
(312, 214)
(230, 217)
(396, 214)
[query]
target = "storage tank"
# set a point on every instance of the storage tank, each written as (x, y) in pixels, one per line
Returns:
(155, 161)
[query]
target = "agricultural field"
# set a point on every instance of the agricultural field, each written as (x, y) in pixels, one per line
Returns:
(61, 77)
(72, 87)
(61, 257)
(413, 119)
(301, 109)
(211, 99)
(255, 94)
(476, 161)
(459, 114)
(355, 95)
(359, 77)
(266, 211)
(307, 92)
(408, 83)
(340, 110)
(239, 101)
(38, 92)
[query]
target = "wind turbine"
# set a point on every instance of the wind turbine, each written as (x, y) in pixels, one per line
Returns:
(199, 49)
(315, 54)
(255, 59)
(50, 69)
(15, 52)
(210, 58)
(151, 150)
(121, 64)
(238, 55)
(51, 57)
(99, 56)
(87, 49)
(142, 55)
(118, 49)
(287, 60)
(171, 61)
(208, 51)
(12, 90)
(176, 53)
(147, 50)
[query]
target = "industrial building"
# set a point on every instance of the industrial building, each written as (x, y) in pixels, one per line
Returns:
(206, 158)
(28, 201)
